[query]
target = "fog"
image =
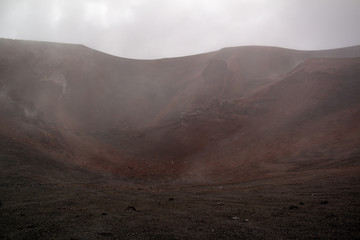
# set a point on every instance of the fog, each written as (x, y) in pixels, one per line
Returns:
(161, 28)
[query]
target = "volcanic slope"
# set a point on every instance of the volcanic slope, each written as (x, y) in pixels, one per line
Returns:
(230, 115)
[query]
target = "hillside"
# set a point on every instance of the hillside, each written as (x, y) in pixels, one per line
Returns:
(242, 143)
(228, 115)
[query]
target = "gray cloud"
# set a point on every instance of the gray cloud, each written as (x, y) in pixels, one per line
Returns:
(164, 28)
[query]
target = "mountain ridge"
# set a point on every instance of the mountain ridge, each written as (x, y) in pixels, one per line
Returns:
(200, 117)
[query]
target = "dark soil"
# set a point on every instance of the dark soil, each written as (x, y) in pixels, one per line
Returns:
(290, 207)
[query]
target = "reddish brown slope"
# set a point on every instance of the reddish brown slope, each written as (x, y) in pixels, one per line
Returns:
(81, 89)
(169, 116)
(309, 120)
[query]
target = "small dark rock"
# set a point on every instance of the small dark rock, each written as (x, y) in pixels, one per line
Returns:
(103, 214)
(171, 199)
(301, 203)
(105, 234)
(30, 226)
(293, 207)
(131, 208)
(324, 202)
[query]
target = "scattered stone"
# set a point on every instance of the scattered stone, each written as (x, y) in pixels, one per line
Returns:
(219, 203)
(324, 202)
(103, 214)
(235, 218)
(131, 208)
(246, 220)
(105, 234)
(291, 207)
(171, 199)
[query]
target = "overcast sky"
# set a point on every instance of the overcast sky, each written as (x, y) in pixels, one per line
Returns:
(148, 29)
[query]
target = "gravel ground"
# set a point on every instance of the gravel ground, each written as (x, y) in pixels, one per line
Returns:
(302, 206)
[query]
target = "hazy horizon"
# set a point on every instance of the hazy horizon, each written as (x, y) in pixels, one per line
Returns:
(162, 29)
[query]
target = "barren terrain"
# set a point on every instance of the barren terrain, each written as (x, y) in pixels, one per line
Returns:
(241, 143)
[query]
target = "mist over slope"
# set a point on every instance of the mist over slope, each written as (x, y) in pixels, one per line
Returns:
(229, 115)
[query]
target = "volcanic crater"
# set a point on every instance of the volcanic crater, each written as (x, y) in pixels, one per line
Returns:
(209, 146)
